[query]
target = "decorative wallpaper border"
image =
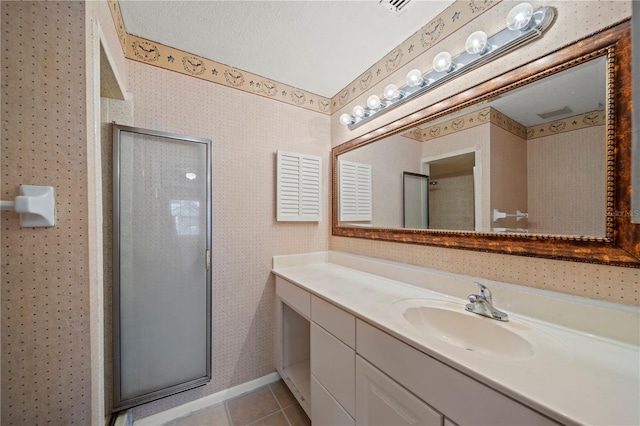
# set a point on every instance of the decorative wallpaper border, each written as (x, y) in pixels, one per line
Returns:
(446, 23)
(580, 121)
(166, 57)
(116, 14)
(450, 20)
(491, 115)
(169, 58)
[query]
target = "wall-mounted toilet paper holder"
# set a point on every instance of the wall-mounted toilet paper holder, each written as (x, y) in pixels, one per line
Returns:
(36, 205)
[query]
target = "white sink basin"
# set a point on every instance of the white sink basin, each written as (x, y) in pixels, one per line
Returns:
(449, 322)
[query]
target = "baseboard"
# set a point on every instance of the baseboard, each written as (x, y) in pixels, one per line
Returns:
(213, 399)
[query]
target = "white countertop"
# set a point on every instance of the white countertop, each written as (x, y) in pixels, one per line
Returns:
(595, 380)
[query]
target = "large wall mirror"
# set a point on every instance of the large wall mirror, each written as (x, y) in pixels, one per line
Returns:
(534, 162)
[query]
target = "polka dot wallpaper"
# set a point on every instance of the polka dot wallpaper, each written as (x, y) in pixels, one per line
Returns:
(45, 321)
(46, 354)
(246, 131)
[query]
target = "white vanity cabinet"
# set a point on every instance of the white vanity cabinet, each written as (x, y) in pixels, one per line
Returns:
(333, 394)
(460, 398)
(381, 401)
(292, 340)
(345, 371)
(315, 353)
(371, 361)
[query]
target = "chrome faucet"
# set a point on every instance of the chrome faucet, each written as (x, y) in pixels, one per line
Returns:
(482, 304)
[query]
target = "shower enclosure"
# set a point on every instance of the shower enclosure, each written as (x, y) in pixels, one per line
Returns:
(415, 200)
(161, 265)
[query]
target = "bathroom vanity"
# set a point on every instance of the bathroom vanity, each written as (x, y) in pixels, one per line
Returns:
(373, 342)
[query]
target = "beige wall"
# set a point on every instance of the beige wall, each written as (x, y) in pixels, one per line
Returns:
(388, 159)
(472, 139)
(246, 131)
(98, 11)
(46, 353)
(574, 21)
(567, 182)
(451, 203)
(508, 176)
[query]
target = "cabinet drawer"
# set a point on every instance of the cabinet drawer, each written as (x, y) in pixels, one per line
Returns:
(333, 364)
(380, 401)
(325, 410)
(462, 399)
(294, 296)
(333, 319)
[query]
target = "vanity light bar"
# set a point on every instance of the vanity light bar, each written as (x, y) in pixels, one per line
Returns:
(523, 26)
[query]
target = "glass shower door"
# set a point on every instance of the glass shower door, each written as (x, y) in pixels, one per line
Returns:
(415, 200)
(162, 280)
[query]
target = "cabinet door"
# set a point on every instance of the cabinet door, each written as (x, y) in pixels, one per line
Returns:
(333, 364)
(459, 397)
(325, 409)
(380, 401)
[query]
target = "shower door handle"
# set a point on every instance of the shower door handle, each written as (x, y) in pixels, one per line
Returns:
(207, 259)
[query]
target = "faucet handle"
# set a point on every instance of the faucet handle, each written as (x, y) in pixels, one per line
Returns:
(484, 292)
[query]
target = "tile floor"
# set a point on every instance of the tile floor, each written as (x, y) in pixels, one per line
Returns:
(271, 405)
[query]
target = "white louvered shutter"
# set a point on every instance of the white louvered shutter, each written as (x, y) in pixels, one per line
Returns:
(355, 191)
(299, 187)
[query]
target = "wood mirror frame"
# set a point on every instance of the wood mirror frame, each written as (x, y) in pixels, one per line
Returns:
(621, 244)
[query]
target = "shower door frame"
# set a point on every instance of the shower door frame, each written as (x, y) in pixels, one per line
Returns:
(425, 203)
(118, 403)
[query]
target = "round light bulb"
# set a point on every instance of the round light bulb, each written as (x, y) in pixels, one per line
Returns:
(190, 176)
(476, 43)
(373, 102)
(345, 119)
(520, 16)
(391, 92)
(414, 78)
(442, 62)
(358, 111)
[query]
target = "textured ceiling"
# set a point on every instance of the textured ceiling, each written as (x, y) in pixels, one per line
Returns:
(319, 46)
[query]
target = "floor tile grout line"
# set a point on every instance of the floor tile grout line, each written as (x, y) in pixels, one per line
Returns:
(269, 415)
(280, 405)
(275, 397)
(293, 402)
(286, 418)
(262, 418)
(226, 409)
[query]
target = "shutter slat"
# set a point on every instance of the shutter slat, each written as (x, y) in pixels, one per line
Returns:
(299, 187)
(355, 191)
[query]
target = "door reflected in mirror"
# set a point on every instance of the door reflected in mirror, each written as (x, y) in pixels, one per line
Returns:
(532, 160)
(415, 200)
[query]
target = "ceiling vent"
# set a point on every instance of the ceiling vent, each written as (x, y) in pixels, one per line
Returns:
(395, 6)
(551, 114)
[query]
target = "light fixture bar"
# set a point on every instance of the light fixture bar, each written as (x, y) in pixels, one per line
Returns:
(499, 44)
